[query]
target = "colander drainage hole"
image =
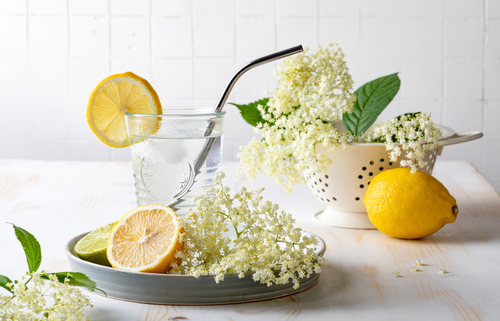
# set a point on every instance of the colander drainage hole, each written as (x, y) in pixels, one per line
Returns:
(364, 168)
(326, 184)
(360, 176)
(357, 198)
(326, 176)
(361, 186)
(370, 173)
(320, 180)
(381, 160)
(381, 168)
(328, 200)
(390, 163)
(372, 162)
(323, 189)
(333, 198)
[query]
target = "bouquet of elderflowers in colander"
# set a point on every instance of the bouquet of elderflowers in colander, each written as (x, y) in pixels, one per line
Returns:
(314, 104)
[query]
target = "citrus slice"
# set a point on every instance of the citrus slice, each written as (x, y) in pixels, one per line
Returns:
(145, 240)
(114, 96)
(92, 247)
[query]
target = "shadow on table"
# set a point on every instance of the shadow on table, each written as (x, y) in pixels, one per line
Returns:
(327, 292)
(470, 226)
(332, 282)
(477, 222)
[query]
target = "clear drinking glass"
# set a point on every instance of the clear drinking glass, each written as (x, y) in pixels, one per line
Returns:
(170, 166)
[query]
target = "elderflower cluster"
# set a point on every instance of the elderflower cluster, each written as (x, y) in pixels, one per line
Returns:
(241, 235)
(396, 274)
(315, 90)
(37, 299)
(413, 133)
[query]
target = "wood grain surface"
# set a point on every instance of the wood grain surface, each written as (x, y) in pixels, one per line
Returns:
(58, 200)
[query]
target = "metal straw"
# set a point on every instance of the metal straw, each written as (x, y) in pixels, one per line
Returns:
(198, 162)
(250, 65)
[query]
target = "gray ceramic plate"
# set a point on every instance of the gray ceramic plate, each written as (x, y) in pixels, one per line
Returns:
(181, 289)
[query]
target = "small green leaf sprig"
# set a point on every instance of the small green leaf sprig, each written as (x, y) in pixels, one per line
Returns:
(28, 297)
(241, 234)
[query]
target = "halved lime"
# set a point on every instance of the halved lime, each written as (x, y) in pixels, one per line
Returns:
(92, 247)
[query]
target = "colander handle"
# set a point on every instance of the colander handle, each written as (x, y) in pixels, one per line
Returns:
(460, 138)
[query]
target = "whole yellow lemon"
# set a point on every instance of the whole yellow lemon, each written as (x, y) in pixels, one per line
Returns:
(409, 206)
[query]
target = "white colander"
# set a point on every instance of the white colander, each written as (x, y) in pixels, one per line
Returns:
(342, 188)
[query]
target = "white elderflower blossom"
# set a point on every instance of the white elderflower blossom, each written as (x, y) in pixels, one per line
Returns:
(443, 271)
(35, 298)
(315, 90)
(415, 268)
(396, 274)
(264, 241)
(416, 133)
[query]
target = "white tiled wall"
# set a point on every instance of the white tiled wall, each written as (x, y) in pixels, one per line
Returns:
(53, 53)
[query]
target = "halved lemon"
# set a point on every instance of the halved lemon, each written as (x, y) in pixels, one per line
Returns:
(114, 96)
(145, 240)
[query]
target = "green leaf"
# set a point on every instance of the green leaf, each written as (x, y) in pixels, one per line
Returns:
(251, 113)
(3, 283)
(31, 248)
(373, 97)
(74, 279)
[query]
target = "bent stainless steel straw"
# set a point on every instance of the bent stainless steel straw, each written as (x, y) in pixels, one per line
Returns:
(250, 65)
(198, 162)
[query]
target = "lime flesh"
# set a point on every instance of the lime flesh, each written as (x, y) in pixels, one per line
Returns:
(92, 247)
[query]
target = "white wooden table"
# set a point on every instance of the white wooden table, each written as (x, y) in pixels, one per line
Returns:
(58, 200)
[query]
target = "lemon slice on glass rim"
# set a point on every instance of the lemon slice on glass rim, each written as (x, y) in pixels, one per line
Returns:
(115, 95)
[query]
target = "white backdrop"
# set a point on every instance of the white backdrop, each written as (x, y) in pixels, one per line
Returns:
(53, 53)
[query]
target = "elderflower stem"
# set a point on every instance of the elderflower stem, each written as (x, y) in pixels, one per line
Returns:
(223, 214)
